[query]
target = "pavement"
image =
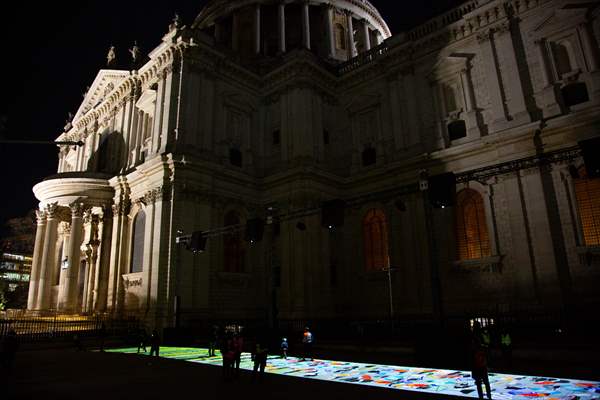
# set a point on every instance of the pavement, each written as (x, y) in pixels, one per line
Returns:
(66, 373)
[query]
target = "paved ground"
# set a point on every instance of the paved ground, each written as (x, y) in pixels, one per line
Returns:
(69, 374)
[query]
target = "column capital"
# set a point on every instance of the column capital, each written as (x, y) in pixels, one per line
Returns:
(51, 210)
(40, 216)
(77, 210)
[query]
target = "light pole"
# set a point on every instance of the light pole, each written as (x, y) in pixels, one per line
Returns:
(389, 270)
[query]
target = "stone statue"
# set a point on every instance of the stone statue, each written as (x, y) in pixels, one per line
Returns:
(111, 57)
(135, 53)
(176, 22)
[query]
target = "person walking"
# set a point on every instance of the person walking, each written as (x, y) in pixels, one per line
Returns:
(102, 335)
(284, 348)
(141, 339)
(155, 344)
(307, 342)
(260, 359)
(213, 342)
(238, 348)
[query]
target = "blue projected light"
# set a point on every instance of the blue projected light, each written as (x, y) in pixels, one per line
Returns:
(435, 381)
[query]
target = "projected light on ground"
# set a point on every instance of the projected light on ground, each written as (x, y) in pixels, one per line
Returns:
(437, 381)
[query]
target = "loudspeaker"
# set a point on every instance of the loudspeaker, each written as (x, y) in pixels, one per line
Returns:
(197, 242)
(332, 213)
(442, 190)
(301, 226)
(255, 229)
(590, 150)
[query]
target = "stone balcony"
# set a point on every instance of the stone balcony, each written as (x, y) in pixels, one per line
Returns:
(69, 187)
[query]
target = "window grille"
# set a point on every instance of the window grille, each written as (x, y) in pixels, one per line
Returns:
(472, 238)
(375, 240)
(587, 191)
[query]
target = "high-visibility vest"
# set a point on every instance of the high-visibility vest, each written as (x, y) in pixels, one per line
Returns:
(506, 340)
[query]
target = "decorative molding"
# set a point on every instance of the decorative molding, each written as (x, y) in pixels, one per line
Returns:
(40, 216)
(491, 264)
(51, 210)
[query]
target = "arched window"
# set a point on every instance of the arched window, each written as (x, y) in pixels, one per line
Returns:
(587, 191)
(137, 251)
(375, 240)
(472, 238)
(340, 37)
(234, 251)
(563, 57)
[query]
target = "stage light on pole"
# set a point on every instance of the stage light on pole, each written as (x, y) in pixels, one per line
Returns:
(332, 213)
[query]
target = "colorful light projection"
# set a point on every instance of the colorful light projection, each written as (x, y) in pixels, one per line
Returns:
(437, 381)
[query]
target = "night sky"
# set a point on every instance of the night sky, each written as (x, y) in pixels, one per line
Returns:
(52, 51)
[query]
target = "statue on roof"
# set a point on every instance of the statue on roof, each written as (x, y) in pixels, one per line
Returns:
(176, 23)
(111, 57)
(135, 53)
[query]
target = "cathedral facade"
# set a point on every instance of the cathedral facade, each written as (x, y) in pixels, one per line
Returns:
(264, 110)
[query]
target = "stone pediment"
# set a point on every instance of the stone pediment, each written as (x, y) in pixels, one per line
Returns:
(362, 102)
(106, 81)
(557, 20)
(449, 65)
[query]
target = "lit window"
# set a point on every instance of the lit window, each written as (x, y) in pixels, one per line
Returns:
(375, 240)
(587, 191)
(472, 238)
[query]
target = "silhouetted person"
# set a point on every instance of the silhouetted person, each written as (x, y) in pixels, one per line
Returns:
(238, 348)
(284, 347)
(506, 346)
(213, 341)
(260, 359)
(155, 344)
(141, 339)
(102, 335)
(479, 366)
(228, 355)
(307, 343)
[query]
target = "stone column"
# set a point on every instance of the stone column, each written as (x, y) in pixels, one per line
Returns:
(306, 25)
(281, 26)
(366, 36)
(498, 110)
(68, 300)
(351, 43)
(48, 254)
(467, 89)
(37, 259)
(329, 31)
(92, 258)
(540, 49)
(591, 53)
(513, 87)
(257, 28)
(379, 37)
(104, 232)
(235, 31)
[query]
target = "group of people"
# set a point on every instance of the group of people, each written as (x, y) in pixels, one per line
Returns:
(154, 341)
(231, 346)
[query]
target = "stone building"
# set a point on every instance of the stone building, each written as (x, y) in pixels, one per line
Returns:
(275, 107)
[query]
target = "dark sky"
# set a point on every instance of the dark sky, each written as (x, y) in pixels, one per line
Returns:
(52, 51)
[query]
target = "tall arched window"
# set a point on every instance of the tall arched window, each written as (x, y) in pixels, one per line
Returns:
(375, 240)
(472, 238)
(234, 251)
(340, 37)
(587, 191)
(137, 251)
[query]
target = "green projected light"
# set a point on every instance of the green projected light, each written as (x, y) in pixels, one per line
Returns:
(436, 381)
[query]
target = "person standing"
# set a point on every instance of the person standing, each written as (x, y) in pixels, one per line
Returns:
(228, 355)
(213, 341)
(141, 339)
(479, 366)
(284, 348)
(155, 344)
(238, 348)
(260, 359)
(307, 342)
(506, 346)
